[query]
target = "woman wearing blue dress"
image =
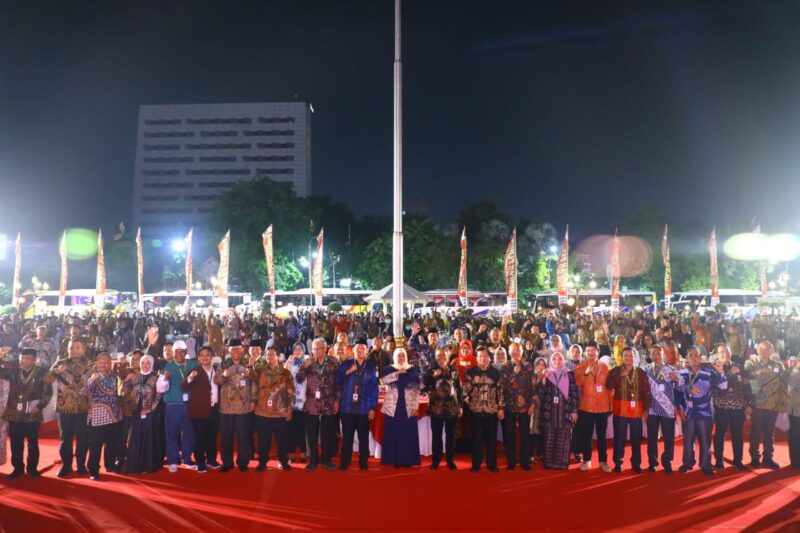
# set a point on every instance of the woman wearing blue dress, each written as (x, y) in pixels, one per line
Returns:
(401, 436)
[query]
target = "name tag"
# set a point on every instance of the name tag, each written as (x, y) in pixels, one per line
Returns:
(317, 395)
(464, 363)
(355, 396)
(555, 399)
(185, 396)
(269, 403)
(21, 407)
(599, 388)
(633, 403)
(776, 370)
(689, 405)
(242, 383)
(660, 387)
(143, 416)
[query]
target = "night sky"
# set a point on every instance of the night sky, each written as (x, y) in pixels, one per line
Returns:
(562, 112)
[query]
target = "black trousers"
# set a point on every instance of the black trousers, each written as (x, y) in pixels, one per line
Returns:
(448, 425)
(510, 422)
(205, 438)
(621, 425)
(73, 426)
(322, 428)
(725, 419)
(240, 426)
(18, 432)
(352, 424)
(762, 429)
(699, 430)
(667, 427)
(794, 441)
(100, 437)
(588, 423)
(266, 427)
(297, 432)
(122, 443)
(484, 433)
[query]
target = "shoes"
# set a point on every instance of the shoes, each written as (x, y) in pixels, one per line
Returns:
(342, 468)
(719, 465)
(586, 465)
(201, 469)
(771, 464)
(452, 466)
(511, 467)
(475, 469)
(708, 471)
(261, 467)
(605, 468)
(363, 467)
(434, 467)
(225, 469)
(683, 469)
(329, 466)
(173, 468)
(213, 464)
(188, 464)
(494, 470)
(15, 474)
(525, 467)
(668, 470)
(243, 468)
(755, 463)
(651, 468)
(64, 472)
(285, 466)
(739, 466)
(34, 474)
(577, 457)
(82, 471)
(637, 469)
(618, 469)
(310, 467)
(95, 476)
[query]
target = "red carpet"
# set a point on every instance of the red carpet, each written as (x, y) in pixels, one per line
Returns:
(412, 500)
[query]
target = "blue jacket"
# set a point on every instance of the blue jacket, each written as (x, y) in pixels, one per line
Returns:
(694, 394)
(363, 381)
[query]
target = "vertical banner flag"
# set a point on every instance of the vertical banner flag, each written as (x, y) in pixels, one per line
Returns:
(100, 282)
(16, 285)
(511, 271)
(140, 268)
(188, 268)
(62, 285)
(667, 267)
(317, 270)
(462, 272)
(221, 289)
(712, 254)
(266, 238)
(615, 274)
(562, 270)
(762, 267)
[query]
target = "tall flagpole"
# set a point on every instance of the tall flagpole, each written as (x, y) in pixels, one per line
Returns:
(397, 236)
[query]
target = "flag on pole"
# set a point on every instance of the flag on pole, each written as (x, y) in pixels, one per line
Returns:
(140, 268)
(562, 270)
(188, 268)
(462, 272)
(667, 267)
(615, 274)
(62, 285)
(712, 254)
(762, 270)
(100, 282)
(317, 270)
(266, 239)
(221, 289)
(511, 271)
(17, 285)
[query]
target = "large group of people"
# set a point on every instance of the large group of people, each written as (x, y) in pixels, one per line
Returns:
(204, 392)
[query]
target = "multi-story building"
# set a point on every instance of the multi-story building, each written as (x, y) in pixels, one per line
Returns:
(187, 156)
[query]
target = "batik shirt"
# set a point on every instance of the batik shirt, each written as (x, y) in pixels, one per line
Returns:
(142, 392)
(695, 393)
(738, 395)
(444, 392)
(46, 352)
(518, 387)
(275, 392)
(69, 400)
(26, 390)
(104, 406)
(236, 391)
(769, 389)
(662, 390)
(483, 390)
(322, 394)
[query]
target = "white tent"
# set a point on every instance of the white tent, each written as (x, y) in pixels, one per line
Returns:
(385, 295)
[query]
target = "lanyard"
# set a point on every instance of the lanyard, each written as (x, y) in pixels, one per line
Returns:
(181, 370)
(25, 380)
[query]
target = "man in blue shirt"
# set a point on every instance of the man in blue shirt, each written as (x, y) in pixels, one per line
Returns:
(179, 433)
(357, 380)
(663, 382)
(694, 401)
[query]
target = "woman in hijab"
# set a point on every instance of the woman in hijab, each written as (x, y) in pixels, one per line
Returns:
(559, 408)
(145, 453)
(536, 427)
(619, 345)
(400, 407)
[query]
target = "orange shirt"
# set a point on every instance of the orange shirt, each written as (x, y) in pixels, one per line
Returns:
(592, 392)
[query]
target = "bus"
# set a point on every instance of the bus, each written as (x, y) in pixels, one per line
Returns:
(736, 301)
(351, 300)
(598, 300)
(76, 300)
(198, 300)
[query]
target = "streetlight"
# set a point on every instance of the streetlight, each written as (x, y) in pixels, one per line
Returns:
(593, 284)
(305, 264)
(178, 245)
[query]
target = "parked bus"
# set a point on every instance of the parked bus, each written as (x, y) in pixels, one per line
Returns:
(76, 300)
(198, 300)
(598, 300)
(736, 301)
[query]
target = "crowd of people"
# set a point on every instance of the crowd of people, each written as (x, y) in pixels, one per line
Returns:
(154, 390)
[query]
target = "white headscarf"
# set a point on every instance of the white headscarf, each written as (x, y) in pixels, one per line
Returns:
(397, 365)
(152, 364)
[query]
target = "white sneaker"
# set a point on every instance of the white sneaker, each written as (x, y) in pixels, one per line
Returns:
(586, 465)
(173, 469)
(605, 468)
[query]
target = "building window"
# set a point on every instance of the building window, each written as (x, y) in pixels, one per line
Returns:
(167, 185)
(160, 172)
(275, 145)
(167, 211)
(162, 121)
(219, 121)
(272, 133)
(218, 159)
(275, 120)
(275, 171)
(204, 210)
(163, 134)
(187, 159)
(268, 158)
(227, 146)
(202, 197)
(159, 198)
(221, 133)
(219, 172)
(216, 184)
(162, 146)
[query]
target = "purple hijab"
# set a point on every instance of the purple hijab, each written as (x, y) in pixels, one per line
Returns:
(559, 377)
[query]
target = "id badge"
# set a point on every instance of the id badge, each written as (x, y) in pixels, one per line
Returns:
(739, 378)
(633, 404)
(317, 395)
(143, 416)
(269, 403)
(660, 387)
(355, 396)
(242, 383)
(21, 407)
(689, 405)
(599, 388)
(185, 396)
(776, 370)
(555, 399)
